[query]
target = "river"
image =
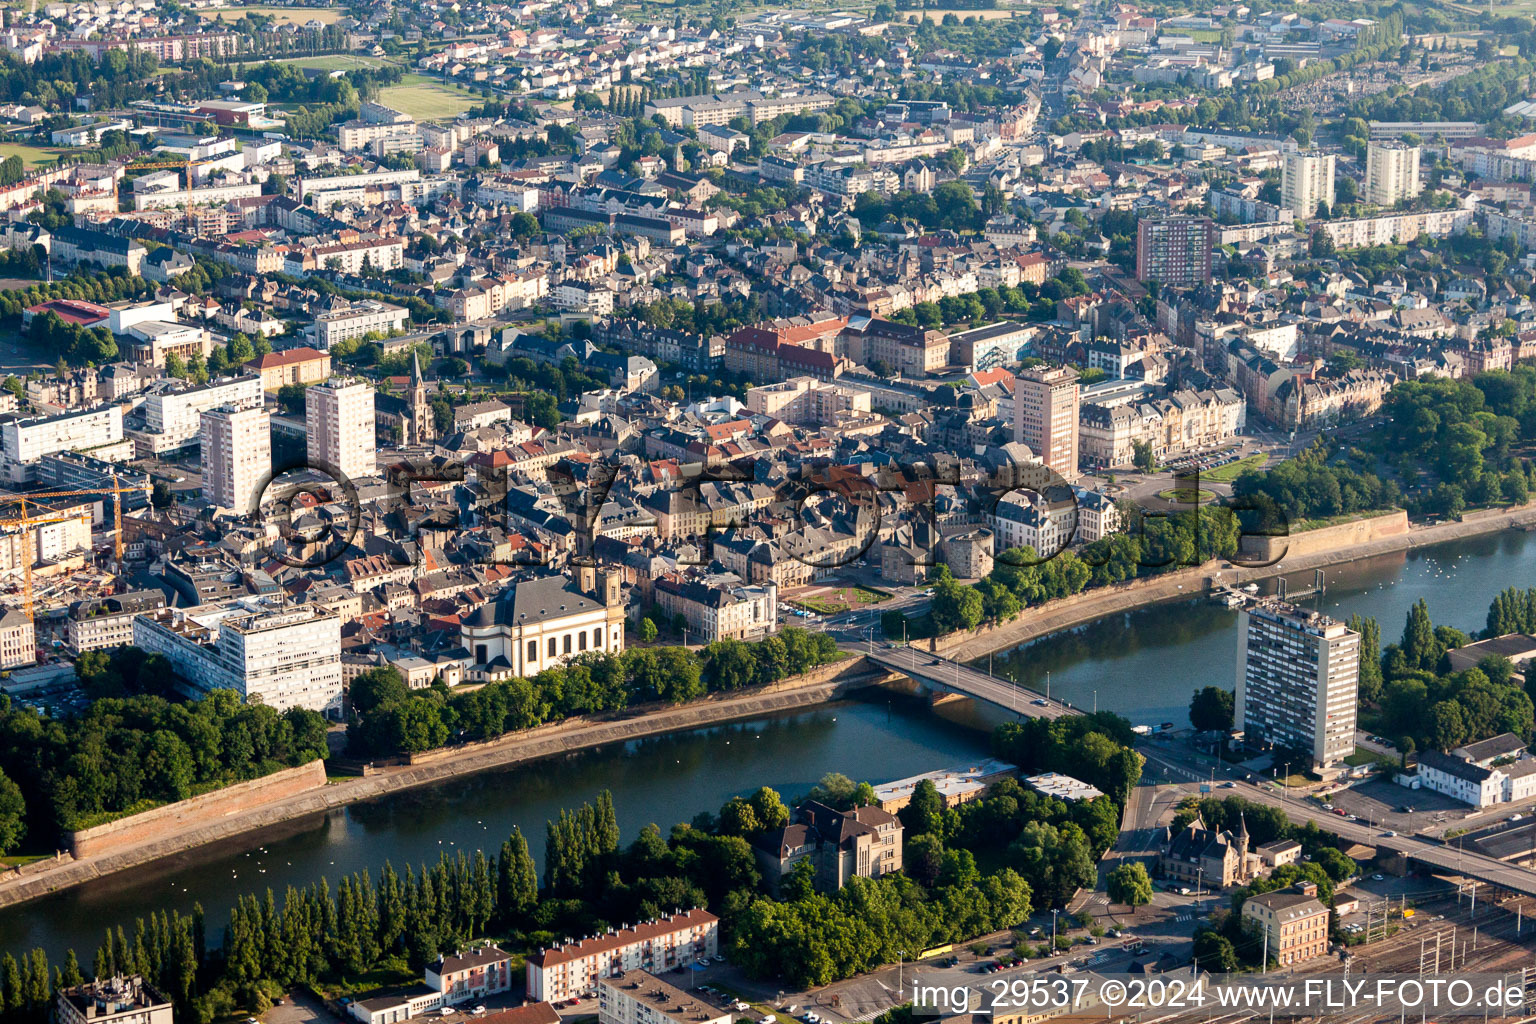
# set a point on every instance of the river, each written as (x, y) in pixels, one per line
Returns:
(1144, 664)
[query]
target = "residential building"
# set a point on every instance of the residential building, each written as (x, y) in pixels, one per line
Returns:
(269, 653)
(1045, 416)
(24, 441)
(18, 639)
(720, 609)
(559, 972)
(117, 1000)
(1298, 674)
(806, 400)
(237, 456)
(910, 351)
(639, 997)
(367, 316)
(473, 974)
(103, 623)
(1492, 771)
(861, 842)
(1293, 921)
(173, 417)
(1175, 251)
(1391, 172)
(1306, 180)
(544, 622)
(339, 426)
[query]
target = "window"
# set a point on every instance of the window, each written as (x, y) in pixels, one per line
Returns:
(597, 638)
(551, 647)
(582, 640)
(480, 654)
(567, 643)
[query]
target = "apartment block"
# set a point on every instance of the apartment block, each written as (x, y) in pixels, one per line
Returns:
(639, 997)
(24, 441)
(1175, 251)
(1306, 179)
(1391, 172)
(117, 1000)
(1298, 673)
(660, 944)
(366, 317)
(103, 623)
(1045, 416)
(173, 418)
(339, 424)
(267, 652)
(237, 456)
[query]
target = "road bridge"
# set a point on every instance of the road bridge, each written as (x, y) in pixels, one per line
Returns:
(940, 673)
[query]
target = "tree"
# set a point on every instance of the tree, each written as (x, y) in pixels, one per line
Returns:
(1370, 656)
(517, 880)
(1214, 953)
(1130, 885)
(13, 812)
(647, 631)
(160, 495)
(924, 813)
(1211, 709)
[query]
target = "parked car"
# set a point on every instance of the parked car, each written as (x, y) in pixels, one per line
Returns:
(478, 1010)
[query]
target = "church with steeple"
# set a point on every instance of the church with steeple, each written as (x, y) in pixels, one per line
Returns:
(410, 415)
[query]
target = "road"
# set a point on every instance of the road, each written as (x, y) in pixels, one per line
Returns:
(1441, 858)
(952, 675)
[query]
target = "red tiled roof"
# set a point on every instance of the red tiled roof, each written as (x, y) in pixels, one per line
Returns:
(623, 937)
(285, 358)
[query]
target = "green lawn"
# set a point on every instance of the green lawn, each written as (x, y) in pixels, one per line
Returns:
(1232, 470)
(1362, 756)
(32, 155)
(1187, 495)
(427, 98)
(339, 62)
(283, 15)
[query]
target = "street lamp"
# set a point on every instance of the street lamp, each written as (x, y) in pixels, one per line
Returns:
(1054, 912)
(899, 954)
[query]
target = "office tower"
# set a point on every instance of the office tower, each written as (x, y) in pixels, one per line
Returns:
(1298, 673)
(1391, 172)
(237, 456)
(1174, 251)
(338, 417)
(1045, 416)
(1306, 180)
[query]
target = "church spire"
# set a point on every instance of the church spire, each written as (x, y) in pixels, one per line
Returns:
(416, 379)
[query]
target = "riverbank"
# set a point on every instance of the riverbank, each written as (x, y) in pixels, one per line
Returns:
(816, 687)
(1069, 612)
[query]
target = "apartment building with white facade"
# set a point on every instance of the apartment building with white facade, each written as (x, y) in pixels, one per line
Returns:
(1306, 179)
(660, 944)
(1391, 172)
(639, 997)
(24, 441)
(339, 425)
(237, 456)
(1298, 675)
(267, 652)
(173, 418)
(368, 316)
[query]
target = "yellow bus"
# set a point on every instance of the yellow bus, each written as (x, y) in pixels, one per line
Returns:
(936, 951)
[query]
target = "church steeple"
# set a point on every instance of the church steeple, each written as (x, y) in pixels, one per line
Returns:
(419, 430)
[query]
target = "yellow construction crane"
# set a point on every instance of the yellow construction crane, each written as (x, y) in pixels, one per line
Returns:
(26, 521)
(181, 165)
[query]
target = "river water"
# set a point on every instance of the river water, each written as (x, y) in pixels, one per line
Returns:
(1144, 664)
